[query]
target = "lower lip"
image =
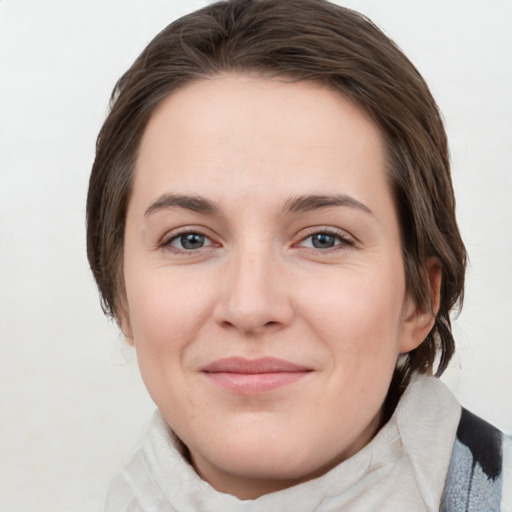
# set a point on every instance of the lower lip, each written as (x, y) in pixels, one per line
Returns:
(254, 383)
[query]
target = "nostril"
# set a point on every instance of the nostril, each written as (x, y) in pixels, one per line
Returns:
(249, 329)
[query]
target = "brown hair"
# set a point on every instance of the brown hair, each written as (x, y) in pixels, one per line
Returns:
(303, 40)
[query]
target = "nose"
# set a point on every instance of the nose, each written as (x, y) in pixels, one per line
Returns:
(255, 298)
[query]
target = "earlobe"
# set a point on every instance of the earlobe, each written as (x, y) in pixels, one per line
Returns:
(123, 320)
(418, 320)
(435, 272)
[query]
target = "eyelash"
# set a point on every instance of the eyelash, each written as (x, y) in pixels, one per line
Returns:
(343, 241)
(167, 242)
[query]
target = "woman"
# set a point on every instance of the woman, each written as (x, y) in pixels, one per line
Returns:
(271, 222)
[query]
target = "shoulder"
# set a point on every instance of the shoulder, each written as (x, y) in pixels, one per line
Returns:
(479, 475)
(506, 500)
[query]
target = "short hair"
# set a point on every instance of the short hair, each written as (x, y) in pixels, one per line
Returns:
(301, 40)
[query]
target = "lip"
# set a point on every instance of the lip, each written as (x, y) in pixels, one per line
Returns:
(253, 376)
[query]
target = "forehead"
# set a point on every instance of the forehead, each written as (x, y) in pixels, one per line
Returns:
(251, 134)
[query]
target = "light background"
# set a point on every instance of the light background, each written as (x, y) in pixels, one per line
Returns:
(72, 404)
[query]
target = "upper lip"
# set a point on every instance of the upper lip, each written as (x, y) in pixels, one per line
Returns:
(253, 366)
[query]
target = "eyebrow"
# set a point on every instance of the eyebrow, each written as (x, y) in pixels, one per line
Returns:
(195, 203)
(314, 202)
(297, 204)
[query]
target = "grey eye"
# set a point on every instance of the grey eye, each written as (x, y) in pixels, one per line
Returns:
(189, 241)
(323, 240)
(326, 240)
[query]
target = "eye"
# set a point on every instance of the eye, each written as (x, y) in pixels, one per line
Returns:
(325, 240)
(189, 241)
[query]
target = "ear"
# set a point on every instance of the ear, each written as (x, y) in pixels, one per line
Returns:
(418, 322)
(123, 320)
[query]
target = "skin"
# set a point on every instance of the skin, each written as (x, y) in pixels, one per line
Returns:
(255, 285)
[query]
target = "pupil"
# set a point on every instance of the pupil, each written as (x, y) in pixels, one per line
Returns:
(192, 241)
(323, 240)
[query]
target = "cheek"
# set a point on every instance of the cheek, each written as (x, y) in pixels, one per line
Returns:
(358, 312)
(358, 304)
(166, 312)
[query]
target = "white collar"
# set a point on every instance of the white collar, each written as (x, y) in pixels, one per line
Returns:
(403, 468)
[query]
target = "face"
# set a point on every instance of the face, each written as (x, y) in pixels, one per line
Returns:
(265, 289)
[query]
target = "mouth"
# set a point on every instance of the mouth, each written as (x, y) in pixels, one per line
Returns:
(253, 376)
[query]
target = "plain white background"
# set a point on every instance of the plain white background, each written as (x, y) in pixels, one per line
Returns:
(72, 405)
